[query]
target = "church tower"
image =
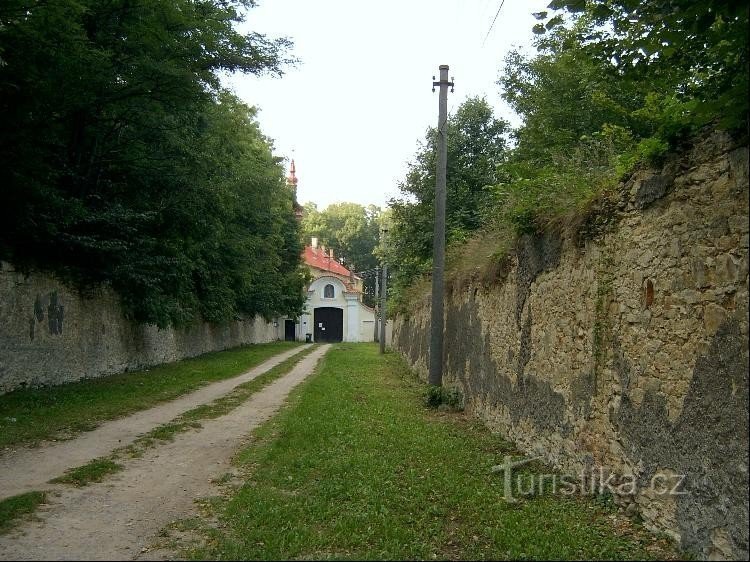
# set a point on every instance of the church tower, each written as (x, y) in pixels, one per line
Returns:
(291, 181)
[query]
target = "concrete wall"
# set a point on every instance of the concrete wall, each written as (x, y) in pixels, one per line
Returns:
(627, 351)
(49, 334)
(366, 323)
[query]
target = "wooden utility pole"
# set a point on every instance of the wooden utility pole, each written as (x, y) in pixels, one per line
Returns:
(438, 261)
(377, 298)
(383, 296)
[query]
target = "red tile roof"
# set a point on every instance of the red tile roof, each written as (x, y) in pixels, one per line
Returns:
(314, 257)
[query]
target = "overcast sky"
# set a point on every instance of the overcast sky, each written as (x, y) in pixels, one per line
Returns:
(351, 113)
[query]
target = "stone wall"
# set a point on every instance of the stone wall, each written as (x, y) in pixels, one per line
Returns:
(49, 334)
(627, 351)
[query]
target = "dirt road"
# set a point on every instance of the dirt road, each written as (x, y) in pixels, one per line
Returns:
(25, 469)
(116, 519)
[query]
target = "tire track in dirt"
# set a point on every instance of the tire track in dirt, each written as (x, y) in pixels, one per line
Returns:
(116, 519)
(26, 469)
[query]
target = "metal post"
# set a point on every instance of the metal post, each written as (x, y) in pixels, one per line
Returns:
(384, 296)
(377, 298)
(438, 263)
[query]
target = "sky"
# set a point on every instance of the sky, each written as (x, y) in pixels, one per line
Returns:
(352, 111)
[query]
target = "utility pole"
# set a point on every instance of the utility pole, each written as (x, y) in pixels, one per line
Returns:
(377, 298)
(438, 261)
(383, 296)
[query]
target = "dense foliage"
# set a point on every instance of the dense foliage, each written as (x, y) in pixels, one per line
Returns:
(613, 84)
(124, 162)
(476, 146)
(353, 231)
(696, 52)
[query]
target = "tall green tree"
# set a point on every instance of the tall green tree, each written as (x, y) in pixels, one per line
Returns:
(123, 162)
(477, 144)
(613, 84)
(579, 115)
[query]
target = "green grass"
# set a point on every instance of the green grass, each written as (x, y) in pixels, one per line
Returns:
(356, 467)
(30, 415)
(93, 471)
(15, 509)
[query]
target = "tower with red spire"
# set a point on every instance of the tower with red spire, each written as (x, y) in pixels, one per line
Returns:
(291, 181)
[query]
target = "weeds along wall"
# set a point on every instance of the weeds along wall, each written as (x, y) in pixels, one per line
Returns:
(50, 334)
(627, 351)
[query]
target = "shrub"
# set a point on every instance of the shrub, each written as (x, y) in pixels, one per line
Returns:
(436, 396)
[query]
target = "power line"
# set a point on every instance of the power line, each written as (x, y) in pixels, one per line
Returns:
(493, 22)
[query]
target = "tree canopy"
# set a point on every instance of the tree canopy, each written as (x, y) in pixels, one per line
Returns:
(697, 50)
(124, 162)
(614, 84)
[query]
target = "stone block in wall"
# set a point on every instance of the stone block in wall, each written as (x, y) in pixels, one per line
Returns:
(651, 188)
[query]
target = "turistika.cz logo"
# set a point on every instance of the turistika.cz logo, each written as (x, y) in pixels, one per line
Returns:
(597, 482)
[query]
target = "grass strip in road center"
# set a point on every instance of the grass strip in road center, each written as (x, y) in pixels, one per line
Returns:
(28, 416)
(93, 471)
(355, 466)
(15, 509)
(97, 469)
(216, 408)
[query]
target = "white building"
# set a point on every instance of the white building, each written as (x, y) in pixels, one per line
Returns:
(334, 310)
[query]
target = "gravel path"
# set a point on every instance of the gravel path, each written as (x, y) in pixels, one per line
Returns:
(25, 469)
(118, 518)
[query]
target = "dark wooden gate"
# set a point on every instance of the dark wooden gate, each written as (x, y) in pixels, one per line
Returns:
(329, 324)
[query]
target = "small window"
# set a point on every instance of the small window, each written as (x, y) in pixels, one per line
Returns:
(328, 292)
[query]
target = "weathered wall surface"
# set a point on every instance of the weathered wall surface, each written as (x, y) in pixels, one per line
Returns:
(50, 334)
(630, 353)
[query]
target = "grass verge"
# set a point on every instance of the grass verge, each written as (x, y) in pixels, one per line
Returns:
(15, 509)
(30, 415)
(97, 469)
(94, 471)
(356, 467)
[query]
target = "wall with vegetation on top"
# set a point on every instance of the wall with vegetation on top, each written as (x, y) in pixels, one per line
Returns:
(50, 334)
(626, 349)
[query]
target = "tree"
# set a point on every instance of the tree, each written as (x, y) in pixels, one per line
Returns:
(476, 145)
(614, 84)
(562, 94)
(123, 162)
(696, 50)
